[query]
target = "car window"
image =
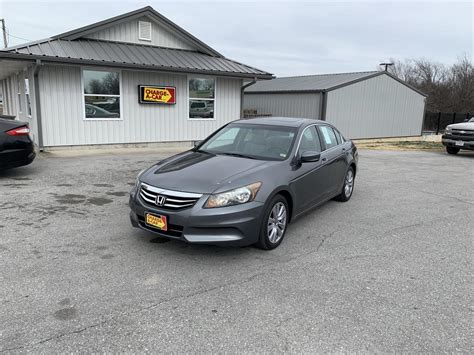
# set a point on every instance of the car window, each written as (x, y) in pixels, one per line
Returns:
(310, 141)
(340, 138)
(328, 136)
(264, 142)
(226, 138)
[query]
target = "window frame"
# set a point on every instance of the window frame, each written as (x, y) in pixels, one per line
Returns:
(189, 77)
(84, 117)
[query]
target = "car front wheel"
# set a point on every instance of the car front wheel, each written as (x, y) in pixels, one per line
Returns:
(275, 221)
(452, 150)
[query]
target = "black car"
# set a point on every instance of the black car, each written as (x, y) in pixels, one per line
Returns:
(16, 146)
(245, 182)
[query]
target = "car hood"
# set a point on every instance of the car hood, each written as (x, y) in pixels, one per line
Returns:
(463, 125)
(202, 172)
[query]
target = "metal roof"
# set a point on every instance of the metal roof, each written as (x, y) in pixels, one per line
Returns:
(71, 47)
(130, 55)
(309, 83)
(318, 83)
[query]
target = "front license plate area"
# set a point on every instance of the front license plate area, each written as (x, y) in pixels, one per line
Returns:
(156, 221)
(460, 143)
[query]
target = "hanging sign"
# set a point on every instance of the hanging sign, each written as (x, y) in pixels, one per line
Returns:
(157, 94)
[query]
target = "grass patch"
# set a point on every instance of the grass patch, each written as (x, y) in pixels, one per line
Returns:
(402, 145)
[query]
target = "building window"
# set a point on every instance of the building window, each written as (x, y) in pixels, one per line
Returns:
(101, 94)
(27, 97)
(18, 86)
(201, 98)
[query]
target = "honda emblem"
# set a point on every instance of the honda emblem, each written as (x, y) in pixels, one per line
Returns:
(160, 200)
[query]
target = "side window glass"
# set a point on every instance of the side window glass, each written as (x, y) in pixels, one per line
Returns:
(310, 141)
(340, 138)
(328, 136)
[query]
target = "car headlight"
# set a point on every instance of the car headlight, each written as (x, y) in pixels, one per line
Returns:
(448, 130)
(137, 180)
(233, 197)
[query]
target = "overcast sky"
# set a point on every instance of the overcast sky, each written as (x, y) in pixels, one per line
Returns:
(282, 37)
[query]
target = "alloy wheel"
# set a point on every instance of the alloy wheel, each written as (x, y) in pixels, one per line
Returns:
(276, 222)
(349, 183)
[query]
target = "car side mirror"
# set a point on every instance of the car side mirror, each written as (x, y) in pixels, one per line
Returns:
(196, 143)
(310, 156)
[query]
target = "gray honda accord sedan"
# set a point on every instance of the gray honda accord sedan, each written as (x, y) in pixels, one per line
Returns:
(246, 182)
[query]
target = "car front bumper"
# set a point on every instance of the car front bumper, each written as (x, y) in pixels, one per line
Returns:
(450, 141)
(233, 225)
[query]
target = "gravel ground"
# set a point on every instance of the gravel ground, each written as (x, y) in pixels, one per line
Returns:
(390, 270)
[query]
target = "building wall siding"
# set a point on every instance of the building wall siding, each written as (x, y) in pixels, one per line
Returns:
(128, 32)
(62, 110)
(377, 107)
(305, 105)
(11, 104)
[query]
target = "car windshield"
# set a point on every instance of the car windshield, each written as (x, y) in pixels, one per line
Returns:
(263, 142)
(472, 119)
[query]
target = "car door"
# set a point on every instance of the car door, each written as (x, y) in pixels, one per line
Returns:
(335, 158)
(308, 184)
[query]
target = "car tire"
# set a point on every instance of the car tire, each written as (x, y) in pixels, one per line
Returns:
(452, 150)
(347, 187)
(274, 223)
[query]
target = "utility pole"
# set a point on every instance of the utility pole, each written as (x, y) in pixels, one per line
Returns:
(4, 30)
(386, 65)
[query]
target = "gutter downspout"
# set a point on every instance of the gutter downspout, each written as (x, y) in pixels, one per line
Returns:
(324, 99)
(39, 121)
(242, 96)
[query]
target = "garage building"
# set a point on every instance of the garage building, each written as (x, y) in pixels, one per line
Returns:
(361, 105)
(134, 78)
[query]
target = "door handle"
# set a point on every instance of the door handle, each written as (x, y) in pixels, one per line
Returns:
(323, 160)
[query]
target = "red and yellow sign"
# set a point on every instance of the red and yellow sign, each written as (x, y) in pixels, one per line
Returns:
(157, 94)
(156, 221)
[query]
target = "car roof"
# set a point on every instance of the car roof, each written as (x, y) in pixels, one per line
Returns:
(279, 121)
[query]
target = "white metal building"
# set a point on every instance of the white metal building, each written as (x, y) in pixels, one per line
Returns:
(361, 105)
(134, 78)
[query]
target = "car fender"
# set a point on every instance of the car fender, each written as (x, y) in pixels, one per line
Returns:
(286, 191)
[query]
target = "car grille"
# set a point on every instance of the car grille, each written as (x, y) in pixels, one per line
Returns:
(167, 199)
(462, 134)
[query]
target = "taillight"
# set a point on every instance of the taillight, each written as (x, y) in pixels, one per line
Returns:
(20, 131)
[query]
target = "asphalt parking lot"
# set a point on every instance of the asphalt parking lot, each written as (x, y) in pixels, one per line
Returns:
(391, 270)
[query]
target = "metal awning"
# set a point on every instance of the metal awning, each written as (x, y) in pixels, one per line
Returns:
(130, 55)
